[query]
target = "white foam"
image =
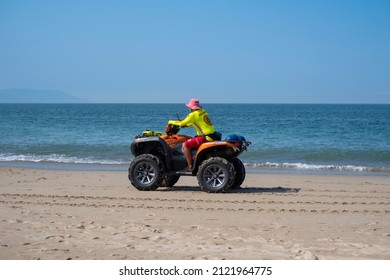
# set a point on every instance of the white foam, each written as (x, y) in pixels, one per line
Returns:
(305, 166)
(55, 158)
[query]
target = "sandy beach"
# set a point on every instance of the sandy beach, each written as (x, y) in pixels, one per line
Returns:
(48, 214)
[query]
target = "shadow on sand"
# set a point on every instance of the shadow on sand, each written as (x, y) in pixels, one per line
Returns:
(239, 190)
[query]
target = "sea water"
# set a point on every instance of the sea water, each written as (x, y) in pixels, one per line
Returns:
(285, 137)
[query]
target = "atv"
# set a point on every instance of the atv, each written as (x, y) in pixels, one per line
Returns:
(159, 161)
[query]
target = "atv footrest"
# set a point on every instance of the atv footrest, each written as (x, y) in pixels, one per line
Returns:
(183, 172)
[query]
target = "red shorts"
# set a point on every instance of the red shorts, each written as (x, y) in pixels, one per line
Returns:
(194, 142)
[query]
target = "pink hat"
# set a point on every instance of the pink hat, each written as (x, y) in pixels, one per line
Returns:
(194, 104)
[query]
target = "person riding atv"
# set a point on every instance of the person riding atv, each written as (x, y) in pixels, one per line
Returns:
(199, 119)
(161, 159)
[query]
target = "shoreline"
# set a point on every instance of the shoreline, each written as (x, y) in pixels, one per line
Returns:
(61, 214)
(124, 166)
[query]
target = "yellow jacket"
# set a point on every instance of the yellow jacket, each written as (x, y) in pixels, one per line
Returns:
(200, 120)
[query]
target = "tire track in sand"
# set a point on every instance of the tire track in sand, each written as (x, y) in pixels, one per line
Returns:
(269, 203)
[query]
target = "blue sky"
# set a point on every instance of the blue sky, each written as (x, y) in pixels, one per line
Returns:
(217, 51)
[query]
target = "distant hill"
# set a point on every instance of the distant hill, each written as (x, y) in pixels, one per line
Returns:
(37, 96)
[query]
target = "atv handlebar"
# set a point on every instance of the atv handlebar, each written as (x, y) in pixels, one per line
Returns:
(172, 129)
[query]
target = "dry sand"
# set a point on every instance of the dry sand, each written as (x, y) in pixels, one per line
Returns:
(98, 215)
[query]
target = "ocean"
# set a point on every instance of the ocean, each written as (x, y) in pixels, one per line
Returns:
(306, 138)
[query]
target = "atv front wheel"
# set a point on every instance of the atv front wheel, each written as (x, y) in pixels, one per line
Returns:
(146, 172)
(169, 181)
(216, 175)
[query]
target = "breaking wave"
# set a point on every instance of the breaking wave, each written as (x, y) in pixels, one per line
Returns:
(318, 167)
(56, 158)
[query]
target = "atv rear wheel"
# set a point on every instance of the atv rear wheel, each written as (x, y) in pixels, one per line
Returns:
(216, 175)
(240, 173)
(146, 172)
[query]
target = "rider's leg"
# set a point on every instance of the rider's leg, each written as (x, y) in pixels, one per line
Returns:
(188, 156)
(188, 145)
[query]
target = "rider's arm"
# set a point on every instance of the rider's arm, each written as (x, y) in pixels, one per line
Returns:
(189, 120)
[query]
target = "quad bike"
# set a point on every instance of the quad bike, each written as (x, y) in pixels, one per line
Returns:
(159, 161)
